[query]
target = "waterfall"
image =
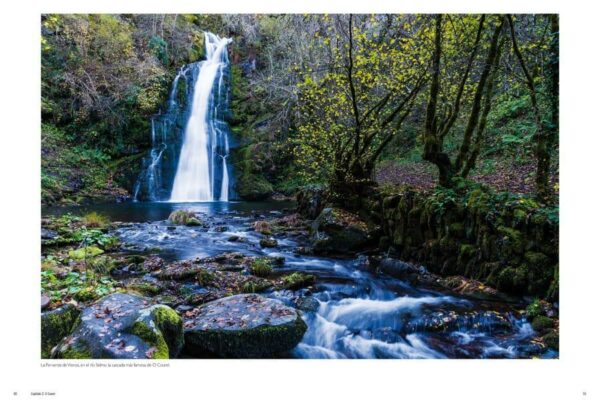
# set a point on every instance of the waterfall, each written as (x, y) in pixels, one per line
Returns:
(198, 171)
(190, 138)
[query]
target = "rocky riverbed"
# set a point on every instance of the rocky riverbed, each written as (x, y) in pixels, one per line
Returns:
(189, 282)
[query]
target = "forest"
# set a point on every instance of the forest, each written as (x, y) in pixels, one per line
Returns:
(360, 186)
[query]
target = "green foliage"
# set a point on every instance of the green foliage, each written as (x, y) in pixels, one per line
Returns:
(158, 46)
(261, 267)
(75, 285)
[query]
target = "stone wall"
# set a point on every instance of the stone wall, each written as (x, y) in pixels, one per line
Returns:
(508, 242)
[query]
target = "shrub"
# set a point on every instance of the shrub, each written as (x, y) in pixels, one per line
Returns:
(95, 220)
(261, 267)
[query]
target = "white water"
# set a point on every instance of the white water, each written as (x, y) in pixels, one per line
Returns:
(196, 168)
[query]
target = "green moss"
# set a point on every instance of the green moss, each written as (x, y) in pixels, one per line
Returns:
(512, 279)
(257, 342)
(171, 327)
(542, 323)
(456, 229)
(534, 309)
(254, 187)
(144, 288)
(86, 294)
(55, 325)
(85, 252)
(539, 260)
(152, 337)
(297, 280)
(551, 339)
(78, 351)
(193, 222)
(512, 241)
(254, 287)
(184, 217)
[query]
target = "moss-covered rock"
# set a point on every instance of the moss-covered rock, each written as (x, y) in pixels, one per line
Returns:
(56, 325)
(143, 288)
(244, 326)
(268, 242)
(338, 231)
(124, 326)
(297, 280)
(85, 252)
(542, 324)
(184, 217)
(254, 187)
(551, 339)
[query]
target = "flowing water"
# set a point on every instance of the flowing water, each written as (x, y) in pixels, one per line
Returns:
(360, 313)
(191, 139)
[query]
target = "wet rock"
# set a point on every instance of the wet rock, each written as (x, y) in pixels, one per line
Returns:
(297, 280)
(398, 269)
(179, 271)
(234, 238)
(124, 326)
(290, 222)
(184, 217)
(243, 326)
(201, 298)
(221, 229)
(338, 231)
(48, 235)
(269, 243)
(153, 263)
(309, 304)
(311, 201)
(45, 301)
(182, 309)
(144, 288)
(56, 325)
(445, 321)
(473, 288)
(262, 227)
(303, 251)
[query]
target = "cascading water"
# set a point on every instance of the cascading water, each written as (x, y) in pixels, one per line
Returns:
(190, 140)
(198, 171)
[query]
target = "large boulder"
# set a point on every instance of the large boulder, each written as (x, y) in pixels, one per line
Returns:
(398, 269)
(338, 231)
(124, 326)
(56, 325)
(184, 217)
(243, 326)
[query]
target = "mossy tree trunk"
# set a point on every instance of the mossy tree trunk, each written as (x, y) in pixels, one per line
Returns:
(545, 131)
(439, 121)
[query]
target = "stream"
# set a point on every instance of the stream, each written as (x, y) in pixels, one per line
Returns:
(360, 314)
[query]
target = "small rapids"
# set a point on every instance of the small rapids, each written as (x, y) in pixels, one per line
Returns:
(361, 313)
